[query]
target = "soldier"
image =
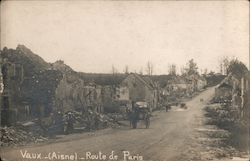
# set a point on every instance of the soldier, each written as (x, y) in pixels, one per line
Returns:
(69, 123)
(134, 116)
(129, 116)
(167, 107)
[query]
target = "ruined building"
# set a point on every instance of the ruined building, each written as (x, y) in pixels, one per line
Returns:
(29, 85)
(73, 93)
(32, 88)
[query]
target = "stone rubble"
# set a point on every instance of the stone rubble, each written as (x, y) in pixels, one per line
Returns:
(11, 136)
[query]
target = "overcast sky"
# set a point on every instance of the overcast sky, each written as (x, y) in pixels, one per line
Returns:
(91, 36)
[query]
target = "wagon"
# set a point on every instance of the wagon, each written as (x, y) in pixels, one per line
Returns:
(141, 112)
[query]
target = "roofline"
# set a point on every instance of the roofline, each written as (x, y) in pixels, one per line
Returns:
(142, 80)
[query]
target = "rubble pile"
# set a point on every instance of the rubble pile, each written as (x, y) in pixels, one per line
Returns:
(220, 115)
(75, 121)
(117, 117)
(106, 121)
(25, 134)
(90, 120)
(225, 117)
(11, 136)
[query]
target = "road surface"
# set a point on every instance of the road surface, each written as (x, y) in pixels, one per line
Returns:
(168, 139)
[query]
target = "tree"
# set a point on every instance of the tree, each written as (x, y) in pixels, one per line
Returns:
(191, 68)
(205, 71)
(114, 70)
(236, 67)
(141, 71)
(149, 68)
(126, 71)
(225, 66)
(172, 69)
(182, 70)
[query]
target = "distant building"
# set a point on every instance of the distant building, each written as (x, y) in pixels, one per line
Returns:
(201, 83)
(178, 86)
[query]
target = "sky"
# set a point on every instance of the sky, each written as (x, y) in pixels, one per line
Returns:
(91, 36)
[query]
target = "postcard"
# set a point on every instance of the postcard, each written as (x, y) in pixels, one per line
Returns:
(124, 80)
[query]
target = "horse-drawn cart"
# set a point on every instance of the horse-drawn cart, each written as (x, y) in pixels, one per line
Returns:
(141, 112)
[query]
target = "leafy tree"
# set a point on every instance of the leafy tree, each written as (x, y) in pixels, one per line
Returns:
(237, 68)
(191, 68)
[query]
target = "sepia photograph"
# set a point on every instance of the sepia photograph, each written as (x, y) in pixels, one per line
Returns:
(127, 80)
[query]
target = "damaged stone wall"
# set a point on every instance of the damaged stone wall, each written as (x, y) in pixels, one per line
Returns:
(69, 94)
(29, 85)
(72, 93)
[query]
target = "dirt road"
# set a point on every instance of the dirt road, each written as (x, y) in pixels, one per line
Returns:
(169, 137)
